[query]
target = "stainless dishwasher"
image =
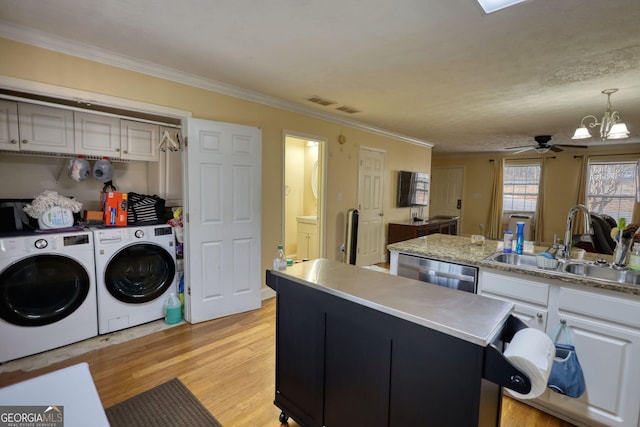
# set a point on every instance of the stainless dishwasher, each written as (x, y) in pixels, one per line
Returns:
(442, 273)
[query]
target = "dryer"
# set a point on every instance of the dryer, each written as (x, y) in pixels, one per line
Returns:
(47, 291)
(135, 273)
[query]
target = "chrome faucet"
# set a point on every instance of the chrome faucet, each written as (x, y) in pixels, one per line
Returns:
(568, 237)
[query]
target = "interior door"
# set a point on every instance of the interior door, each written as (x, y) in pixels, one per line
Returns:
(371, 215)
(446, 191)
(223, 207)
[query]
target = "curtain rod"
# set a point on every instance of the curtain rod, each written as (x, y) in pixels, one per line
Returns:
(528, 158)
(608, 155)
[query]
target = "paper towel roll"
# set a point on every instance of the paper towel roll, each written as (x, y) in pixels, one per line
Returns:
(532, 352)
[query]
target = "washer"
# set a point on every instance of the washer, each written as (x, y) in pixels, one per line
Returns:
(47, 292)
(135, 273)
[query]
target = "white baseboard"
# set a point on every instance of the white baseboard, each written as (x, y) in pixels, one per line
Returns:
(267, 293)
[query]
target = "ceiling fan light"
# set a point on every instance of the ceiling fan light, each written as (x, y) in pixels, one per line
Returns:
(541, 150)
(581, 133)
(618, 131)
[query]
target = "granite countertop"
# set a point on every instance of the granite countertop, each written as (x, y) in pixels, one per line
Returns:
(459, 249)
(467, 316)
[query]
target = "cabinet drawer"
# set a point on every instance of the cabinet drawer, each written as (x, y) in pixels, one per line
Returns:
(604, 307)
(515, 288)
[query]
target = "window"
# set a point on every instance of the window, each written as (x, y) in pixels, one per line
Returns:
(520, 188)
(422, 189)
(611, 189)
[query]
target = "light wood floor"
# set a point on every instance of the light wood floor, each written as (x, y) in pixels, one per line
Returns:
(227, 363)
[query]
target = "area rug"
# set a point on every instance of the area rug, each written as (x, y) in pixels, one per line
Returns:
(168, 405)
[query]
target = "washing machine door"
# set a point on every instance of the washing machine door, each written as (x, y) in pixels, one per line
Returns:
(42, 289)
(139, 273)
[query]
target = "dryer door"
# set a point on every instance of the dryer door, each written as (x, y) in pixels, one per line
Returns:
(139, 273)
(42, 289)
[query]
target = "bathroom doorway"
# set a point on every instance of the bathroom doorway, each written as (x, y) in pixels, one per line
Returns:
(304, 195)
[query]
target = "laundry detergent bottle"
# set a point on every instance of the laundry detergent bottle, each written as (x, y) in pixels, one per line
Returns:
(172, 310)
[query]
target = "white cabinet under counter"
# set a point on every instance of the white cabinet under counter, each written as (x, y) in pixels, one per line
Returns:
(605, 329)
(307, 237)
(531, 297)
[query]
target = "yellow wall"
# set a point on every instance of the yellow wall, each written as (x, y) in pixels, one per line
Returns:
(40, 65)
(560, 192)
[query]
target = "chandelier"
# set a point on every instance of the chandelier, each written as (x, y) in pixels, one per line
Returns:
(611, 126)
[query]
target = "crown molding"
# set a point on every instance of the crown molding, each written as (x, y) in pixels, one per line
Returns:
(82, 50)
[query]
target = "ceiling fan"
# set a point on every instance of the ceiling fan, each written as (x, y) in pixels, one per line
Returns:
(543, 146)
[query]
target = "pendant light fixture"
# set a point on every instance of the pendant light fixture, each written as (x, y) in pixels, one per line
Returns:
(611, 126)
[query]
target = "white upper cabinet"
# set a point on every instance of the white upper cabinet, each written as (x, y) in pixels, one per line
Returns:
(9, 135)
(139, 140)
(45, 129)
(97, 135)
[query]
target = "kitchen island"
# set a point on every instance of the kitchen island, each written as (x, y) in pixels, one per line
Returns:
(603, 317)
(363, 348)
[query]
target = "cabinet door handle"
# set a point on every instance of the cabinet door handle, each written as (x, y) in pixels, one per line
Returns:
(14, 141)
(539, 315)
(117, 150)
(563, 321)
(24, 141)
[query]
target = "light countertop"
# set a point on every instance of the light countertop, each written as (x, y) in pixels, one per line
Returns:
(459, 249)
(467, 316)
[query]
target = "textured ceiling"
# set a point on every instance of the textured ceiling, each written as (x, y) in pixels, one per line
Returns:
(440, 71)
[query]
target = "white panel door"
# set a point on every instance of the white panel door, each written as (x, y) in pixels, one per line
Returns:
(223, 206)
(446, 191)
(371, 215)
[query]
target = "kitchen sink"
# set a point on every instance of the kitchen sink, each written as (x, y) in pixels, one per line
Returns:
(521, 260)
(602, 272)
(576, 268)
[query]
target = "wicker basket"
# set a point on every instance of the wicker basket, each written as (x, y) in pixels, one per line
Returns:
(547, 263)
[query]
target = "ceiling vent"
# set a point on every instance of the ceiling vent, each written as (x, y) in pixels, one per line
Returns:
(347, 109)
(321, 101)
